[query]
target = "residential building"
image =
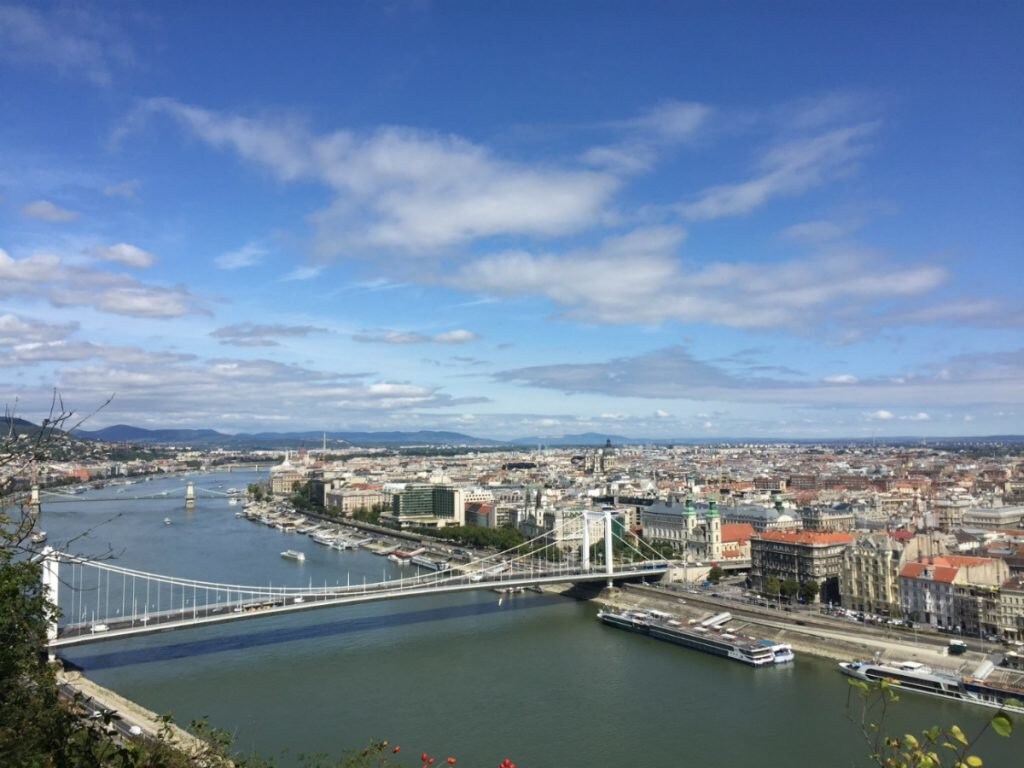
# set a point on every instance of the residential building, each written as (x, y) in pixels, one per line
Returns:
(801, 556)
(869, 576)
(943, 591)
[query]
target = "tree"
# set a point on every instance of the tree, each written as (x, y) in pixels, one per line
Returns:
(789, 588)
(772, 587)
(715, 574)
(809, 591)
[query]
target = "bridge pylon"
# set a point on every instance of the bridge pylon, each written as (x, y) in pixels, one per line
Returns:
(51, 585)
(190, 495)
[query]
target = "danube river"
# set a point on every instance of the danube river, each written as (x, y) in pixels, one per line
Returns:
(479, 676)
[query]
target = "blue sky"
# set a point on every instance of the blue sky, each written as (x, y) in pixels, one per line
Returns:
(652, 219)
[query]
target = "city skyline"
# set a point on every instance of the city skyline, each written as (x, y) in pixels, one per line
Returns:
(697, 220)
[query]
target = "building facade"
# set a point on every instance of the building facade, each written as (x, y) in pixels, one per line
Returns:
(869, 576)
(801, 556)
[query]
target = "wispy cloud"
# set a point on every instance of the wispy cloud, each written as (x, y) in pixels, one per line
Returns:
(258, 335)
(596, 285)
(126, 189)
(402, 188)
(786, 169)
(69, 39)
(303, 273)
(457, 336)
(124, 253)
(249, 255)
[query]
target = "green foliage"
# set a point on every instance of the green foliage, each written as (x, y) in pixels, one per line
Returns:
(934, 748)
(365, 515)
(502, 538)
(809, 591)
(255, 490)
(789, 588)
(772, 587)
(715, 574)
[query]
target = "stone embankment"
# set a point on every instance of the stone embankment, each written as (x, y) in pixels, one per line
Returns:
(96, 698)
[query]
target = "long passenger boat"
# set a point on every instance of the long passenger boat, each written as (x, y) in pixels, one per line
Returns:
(914, 677)
(714, 640)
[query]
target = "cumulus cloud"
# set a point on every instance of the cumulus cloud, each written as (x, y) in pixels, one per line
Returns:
(48, 211)
(456, 336)
(881, 415)
(402, 188)
(125, 253)
(45, 276)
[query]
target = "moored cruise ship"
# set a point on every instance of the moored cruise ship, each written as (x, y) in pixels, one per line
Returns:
(915, 677)
(715, 640)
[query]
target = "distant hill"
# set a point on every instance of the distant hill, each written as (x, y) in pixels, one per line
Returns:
(209, 438)
(122, 433)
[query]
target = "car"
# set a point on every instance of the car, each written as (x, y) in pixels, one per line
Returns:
(135, 730)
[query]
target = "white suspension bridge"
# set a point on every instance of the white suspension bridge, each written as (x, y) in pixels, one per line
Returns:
(101, 600)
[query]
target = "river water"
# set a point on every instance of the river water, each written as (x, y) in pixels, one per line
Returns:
(477, 675)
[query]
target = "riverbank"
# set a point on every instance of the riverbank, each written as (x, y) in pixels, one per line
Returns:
(130, 715)
(810, 634)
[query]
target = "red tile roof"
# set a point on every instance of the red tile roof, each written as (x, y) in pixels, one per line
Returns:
(736, 532)
(807, 537)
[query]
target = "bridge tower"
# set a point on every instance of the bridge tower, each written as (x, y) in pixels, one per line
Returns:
(34, 505)
(190, 495)
(606, 515)
(51, 584)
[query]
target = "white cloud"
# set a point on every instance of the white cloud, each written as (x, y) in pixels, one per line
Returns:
(70, 39)
(303, 273)
(880, 415)
(126, 189)
(15, 330)
(45, 276)
(401, 188)
(47, 211)
(841, 378)
(249, 255)
(457, 336)
(639, 278)
(261, 335)
(919, 416)
(818, 231)
(125, 253)
(786, 169)
(660, 414)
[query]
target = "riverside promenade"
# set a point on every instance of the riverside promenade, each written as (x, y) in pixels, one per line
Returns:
(808, 632)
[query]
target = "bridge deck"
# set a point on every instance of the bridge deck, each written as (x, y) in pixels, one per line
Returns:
(292, 601)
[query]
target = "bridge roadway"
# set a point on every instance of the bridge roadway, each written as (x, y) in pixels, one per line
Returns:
(287, 601)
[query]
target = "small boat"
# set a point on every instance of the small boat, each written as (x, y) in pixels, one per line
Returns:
(291, 554)
(38, 537)
(167, 521)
